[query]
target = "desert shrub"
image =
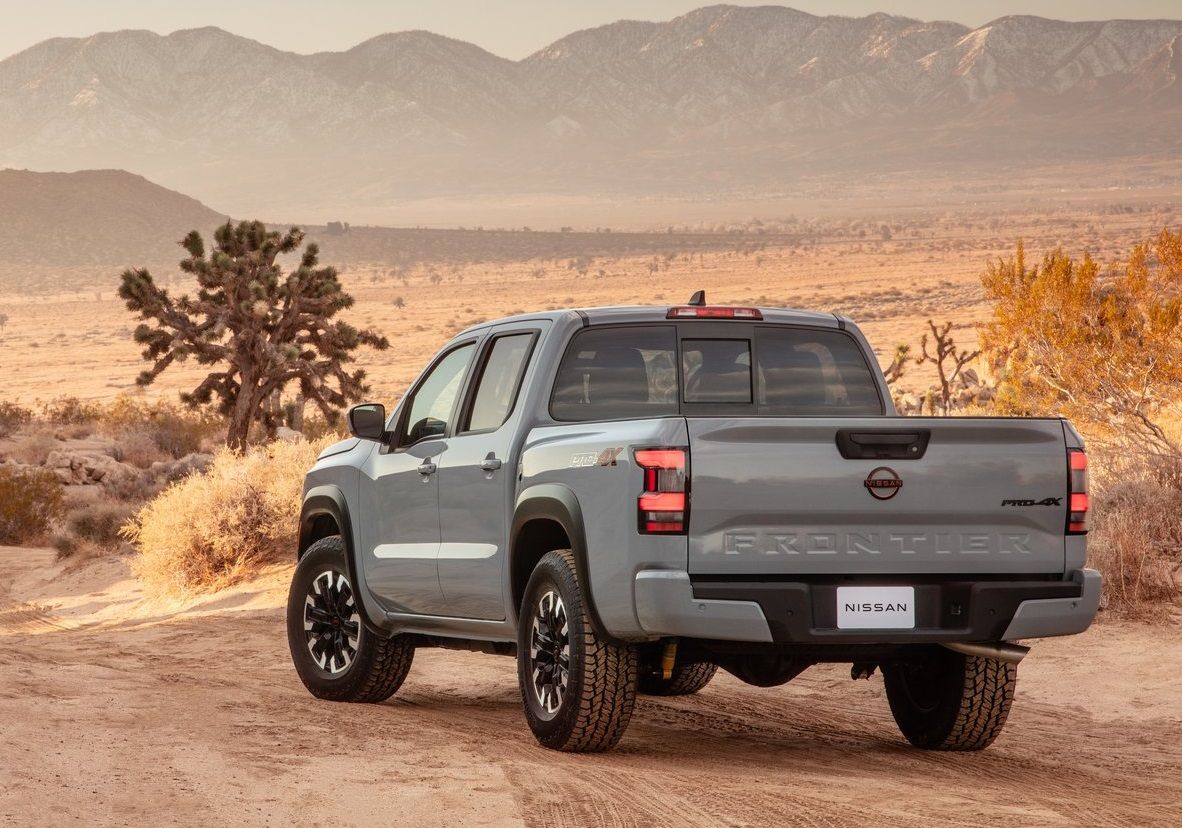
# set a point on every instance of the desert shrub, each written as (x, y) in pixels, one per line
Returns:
(317, 427)
(1136, 535)
(12, 417)
(32, 447)
(214, 528)
(1103, 346)
(137, 448)
(133, 488)
(70, 411)
(99, 523)
(65, 544)
(173, 429)
(30, 501)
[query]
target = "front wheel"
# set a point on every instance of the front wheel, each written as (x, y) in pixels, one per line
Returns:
(577, 689)
(335, 656)
(950, 701)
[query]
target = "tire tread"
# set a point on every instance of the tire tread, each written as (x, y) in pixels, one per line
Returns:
(687, 679)
(986, 697)
(608, 676)
(381, 665)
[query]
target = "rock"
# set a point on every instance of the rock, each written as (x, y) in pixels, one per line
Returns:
(288, 435)
(907, 403)
(190, 464)
(74, 468)
(173, 470)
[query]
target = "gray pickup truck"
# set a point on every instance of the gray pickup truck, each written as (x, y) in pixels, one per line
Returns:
(626, 499)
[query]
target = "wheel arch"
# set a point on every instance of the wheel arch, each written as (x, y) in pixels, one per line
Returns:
(325, 513)
(547, 516)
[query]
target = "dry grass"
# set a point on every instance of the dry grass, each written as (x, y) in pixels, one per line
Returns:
(12, 418)
(30, 501)
(215, 528)
(31, 445)
(153, 430)
(1136, 537)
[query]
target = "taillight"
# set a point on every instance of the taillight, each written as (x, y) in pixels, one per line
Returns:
(713, 312)
(1077, 492)
(662, 506)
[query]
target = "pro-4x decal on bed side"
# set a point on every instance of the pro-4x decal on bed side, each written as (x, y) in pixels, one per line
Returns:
(607, 457)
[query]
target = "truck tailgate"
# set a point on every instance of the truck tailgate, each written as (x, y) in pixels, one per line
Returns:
(776, 496)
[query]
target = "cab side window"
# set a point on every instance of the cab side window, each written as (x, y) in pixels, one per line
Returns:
(500, 381)
(431, 406)
(617, 372)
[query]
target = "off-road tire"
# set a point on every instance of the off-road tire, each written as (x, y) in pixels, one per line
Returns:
(950, 701)
(380, 664)
(686, 679)
(601, 680)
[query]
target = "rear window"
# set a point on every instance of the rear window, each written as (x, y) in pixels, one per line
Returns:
(806, 372)
(631, 372)
(716, 370)
(617, 373)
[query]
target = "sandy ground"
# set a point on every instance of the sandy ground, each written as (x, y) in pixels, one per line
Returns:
(115, 709)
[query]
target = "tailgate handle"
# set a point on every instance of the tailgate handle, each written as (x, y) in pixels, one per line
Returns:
(856, 444)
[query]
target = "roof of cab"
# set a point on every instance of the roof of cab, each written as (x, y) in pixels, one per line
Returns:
(658, 313)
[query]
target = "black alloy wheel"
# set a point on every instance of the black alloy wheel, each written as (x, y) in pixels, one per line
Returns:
(331, 623)
(549, 654)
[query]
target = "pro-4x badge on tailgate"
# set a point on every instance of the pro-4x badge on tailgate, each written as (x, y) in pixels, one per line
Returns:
(883, 483)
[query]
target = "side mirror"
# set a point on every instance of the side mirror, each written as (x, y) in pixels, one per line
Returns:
(367, 421)
(426, 427)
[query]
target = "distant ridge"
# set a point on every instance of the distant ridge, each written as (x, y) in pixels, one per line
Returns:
(100, 217)
(722, 99)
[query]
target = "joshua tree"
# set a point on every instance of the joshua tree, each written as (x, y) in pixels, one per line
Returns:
(263, 329)
(894, 372)
(948, 361)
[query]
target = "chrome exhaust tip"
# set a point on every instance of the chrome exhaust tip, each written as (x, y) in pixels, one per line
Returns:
(1012, 653)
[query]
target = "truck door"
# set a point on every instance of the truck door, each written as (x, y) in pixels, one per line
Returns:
(400, 512)
(478, 473)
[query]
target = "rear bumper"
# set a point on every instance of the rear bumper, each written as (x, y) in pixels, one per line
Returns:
(670, 603)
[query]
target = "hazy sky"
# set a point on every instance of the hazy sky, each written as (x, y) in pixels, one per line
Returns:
(512, 28)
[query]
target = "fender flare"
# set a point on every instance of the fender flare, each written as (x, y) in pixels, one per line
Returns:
(556, 502)
(330, 500)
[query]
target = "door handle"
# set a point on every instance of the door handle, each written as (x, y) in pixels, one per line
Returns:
(428, 468)
(490, 463)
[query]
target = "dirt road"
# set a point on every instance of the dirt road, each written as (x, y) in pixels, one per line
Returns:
(118, 710)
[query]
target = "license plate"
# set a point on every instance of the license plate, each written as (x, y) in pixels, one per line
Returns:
(875, 608)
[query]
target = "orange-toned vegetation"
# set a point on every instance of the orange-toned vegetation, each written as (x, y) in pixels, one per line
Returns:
(214, 528)
(1103, 346)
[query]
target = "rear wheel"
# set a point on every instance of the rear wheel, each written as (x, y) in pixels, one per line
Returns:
(336, 657)
(686, 679)
(577, 689)
(950, 701)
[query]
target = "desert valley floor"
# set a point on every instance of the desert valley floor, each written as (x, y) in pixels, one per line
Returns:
(78, 343)
(118, 709)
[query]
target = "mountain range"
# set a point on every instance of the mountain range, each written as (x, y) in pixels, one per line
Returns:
(724, 99)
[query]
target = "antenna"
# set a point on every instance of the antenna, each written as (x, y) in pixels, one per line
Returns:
(698, 299)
